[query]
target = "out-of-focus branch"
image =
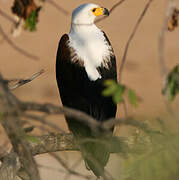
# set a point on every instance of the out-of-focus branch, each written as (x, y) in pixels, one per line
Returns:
(131, 37)
(83, 117)
(53, 109)
(13, 109)
(111, 10)
(15, 47)
(21, 82)
(42, 120)
(67, 168)
(58, 7)
(10, 166)
(6, 16)
(13, 127)
(65, 141)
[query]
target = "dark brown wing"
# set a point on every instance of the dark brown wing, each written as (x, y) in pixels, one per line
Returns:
(78, 92)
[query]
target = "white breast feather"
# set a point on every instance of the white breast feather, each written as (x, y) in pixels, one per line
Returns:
(91, 47)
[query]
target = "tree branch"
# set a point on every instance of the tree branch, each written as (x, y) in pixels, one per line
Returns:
(6, 16)
(13, 127)
(15, 47)
(53, 143)
(12, 109)
(53, 109)
(111, 10)
(10, 167)
(58, 7)
(21, 82)
(131, 37)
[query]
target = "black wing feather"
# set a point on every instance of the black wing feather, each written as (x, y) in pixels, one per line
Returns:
(78, 92)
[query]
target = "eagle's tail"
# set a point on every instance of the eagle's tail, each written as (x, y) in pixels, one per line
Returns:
(96, 155)
(94, 147)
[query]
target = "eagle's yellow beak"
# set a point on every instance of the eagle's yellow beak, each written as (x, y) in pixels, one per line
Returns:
(100, 11)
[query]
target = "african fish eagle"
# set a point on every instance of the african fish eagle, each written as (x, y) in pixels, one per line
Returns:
(85, 59)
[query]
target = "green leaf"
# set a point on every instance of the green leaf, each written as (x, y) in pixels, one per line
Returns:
(133, 98)
(31, 139)
(31, 21)
(118, 95)
(109, 91)
(116, 91)
(109, 82)
(158, 161)
(172, 86)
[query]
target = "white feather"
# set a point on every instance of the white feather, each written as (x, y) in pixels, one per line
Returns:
(89, 42)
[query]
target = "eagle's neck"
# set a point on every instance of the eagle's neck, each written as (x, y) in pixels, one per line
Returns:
(90, 46)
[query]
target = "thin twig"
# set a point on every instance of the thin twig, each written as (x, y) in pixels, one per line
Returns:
(12, 125)
(58, 7)
(40, 119)
(62, 162)
(111, 10)
(14, 46)
(21, 82)
(74, 166)
(131, 37)
(51, 168)
(53, 109)
(6, 16)
(81, 116)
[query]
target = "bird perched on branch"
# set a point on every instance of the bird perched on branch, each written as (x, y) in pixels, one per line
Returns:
(85, 59)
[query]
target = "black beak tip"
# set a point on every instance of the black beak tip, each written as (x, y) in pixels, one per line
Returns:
(106, 12)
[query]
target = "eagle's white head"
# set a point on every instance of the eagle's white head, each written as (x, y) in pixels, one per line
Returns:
(86, 13)
(88, 41)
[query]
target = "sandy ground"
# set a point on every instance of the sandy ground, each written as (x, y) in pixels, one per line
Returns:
(141, 71)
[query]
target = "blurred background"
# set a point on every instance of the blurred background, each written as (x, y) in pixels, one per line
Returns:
(141, 71)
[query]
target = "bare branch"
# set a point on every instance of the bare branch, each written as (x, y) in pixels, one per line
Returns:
(131, 37)
(10, 166)
(111, 10)
(42, 120)
(52, 109)
(14, 46)
(21, 82)
(75, 165)
(13, 127)
(62, 162)
(58, 7)
(13, 109)
(6, 16)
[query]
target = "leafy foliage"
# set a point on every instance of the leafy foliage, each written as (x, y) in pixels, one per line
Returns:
(153, 156)
(31, 21)
(172, 86)
(117, 91)
(32, 139)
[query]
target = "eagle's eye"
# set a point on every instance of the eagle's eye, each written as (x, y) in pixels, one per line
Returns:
(94, 9)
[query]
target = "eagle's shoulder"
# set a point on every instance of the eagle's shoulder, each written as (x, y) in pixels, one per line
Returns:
(63, 49)
(67, 53)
